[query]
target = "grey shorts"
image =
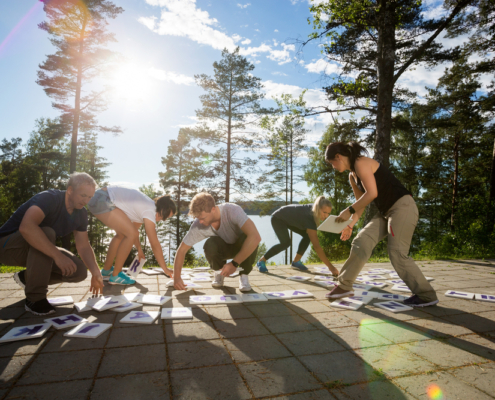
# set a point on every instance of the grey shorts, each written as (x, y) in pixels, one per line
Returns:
(100, 203)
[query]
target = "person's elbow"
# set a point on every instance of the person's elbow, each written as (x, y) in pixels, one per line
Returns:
(256, 237)
(373, 194)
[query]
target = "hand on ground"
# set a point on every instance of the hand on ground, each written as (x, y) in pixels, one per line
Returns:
(228, 269)
(179, 283)
(96, 285)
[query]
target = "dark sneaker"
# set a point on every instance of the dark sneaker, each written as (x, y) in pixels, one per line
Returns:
(40, 307)
(20, 278)
(338, 293)
(415, 301)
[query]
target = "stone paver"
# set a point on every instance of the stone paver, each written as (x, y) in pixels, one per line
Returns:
(298, 349)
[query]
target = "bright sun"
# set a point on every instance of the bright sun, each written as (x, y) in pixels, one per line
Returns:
(132, 84)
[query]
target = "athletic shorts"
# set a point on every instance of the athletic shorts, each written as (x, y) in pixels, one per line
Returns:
(100, 203)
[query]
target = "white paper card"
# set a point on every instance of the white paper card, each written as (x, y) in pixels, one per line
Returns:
(193, 285)
(201, 274)
(298, 293)
(393, 306)
(326, 284)
(366, 293)
(276, 295)
(161, 271)
(154, 299)
(429, 278)
(200, 279)
(105, 303)
(401, 288)
(361, 299)
(88, 330)
(140, 317)
(361, 286)
(203, 299)
(25, 332)
(394, 275)
(229, 299)
(485, 297)
(149, 271)
(136, 266)
(346, 304)
(252, 297)
(375, 284)
(460, 295)
(177, 313)
(298, 278)
(127, 307)
(390, 296)
(397, 282)
(320, 278)
(376, 277)
(60, 301)
(66, 321)
(201, 268)
(330, 225)
(136, 296)
(86, 305)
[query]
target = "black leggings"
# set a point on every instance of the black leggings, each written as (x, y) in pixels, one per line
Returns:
(282, 231)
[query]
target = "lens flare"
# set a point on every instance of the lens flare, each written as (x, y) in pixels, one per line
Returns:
(434, 392)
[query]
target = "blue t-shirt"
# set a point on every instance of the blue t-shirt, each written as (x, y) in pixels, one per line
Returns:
(52, 203)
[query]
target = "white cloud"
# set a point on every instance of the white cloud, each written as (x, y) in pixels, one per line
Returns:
(243, 5)
(182, 18)
(246, 41)
(169, 76)
(322, 66)
(279, 73)
(276, 30)
(254, 51)
(282, 56)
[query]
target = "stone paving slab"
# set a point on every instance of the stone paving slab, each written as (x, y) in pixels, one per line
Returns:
(297, 349)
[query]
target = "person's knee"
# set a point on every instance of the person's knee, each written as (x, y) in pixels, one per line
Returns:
(210, 247)
(81, 271)
(397, 256)
(361, 246)
(50, 233)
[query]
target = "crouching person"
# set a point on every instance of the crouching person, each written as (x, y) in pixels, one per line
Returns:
(27, 239)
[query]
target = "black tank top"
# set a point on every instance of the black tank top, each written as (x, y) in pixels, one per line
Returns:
(389, 189)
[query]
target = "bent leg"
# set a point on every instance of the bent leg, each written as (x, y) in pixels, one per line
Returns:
(78, 276)
(282, 231)
(215, 249)
(361, 249)
(112, 251)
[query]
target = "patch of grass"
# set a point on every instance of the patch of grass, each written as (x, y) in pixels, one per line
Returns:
(6, 269)
(379, 373)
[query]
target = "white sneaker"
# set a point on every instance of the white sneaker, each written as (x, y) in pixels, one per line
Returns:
(244, 285)
(217, 280)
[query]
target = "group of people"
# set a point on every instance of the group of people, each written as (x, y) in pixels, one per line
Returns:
(28, 238)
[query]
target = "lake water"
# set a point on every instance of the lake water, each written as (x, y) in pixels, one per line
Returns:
(268, 237)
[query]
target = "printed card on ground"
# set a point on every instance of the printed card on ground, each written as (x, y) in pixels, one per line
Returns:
(366, 293)
(127, 307)
(390, 296)
(252, 297)
(429, 278)
(25, 332)
(150, 271)
(459, 294)
(203, 299)
(401, 288)
(485, 297)
(86, 305)
(193, 285)
(394, 275)
(106, 303)
(201, 279)
(326, 284)
(382, 270)
(66, 321)
(276, 295)
(298, 278)
(88, 330)
(236, 273)
(161, 271)
(60, 301)
(397, 282)
(229, 299)
(298, 293)
(198, 274)
(393, 306)
(177, 313)
(136, 267)
(136, 296)
(201, 268)
(361, 279)
(140, 317)
(154, 299)
(361, 286)
(361, 299)
(320, 278)
(346, 304)
(376, 277)
(374, 284)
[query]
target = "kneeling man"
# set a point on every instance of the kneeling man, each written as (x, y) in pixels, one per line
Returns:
(231, 235)
(27, 239)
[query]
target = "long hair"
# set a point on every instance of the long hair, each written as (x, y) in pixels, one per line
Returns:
(164, 205)
(320, 202)
(352, 150)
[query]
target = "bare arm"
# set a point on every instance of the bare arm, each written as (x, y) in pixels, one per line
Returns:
(178, 263)
(313, 236)
(252, 241)
(34, 235)
(156, 247)
(88, 256)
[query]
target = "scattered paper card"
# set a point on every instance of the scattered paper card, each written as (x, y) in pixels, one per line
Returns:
(298, 278)
(200, 279)
(429, 278)
(229, 299)
(154, 299)
(376, 277)
(361, 286)
(346, 304)
(397, 282)
(25, 332)
(127, 307)
(86, 305)
(201, 268)
(393, 306)
(252, 297)
(105, 303)
(136, 296)
(66, 321)
(140, 317)
(401, 288)
(203, 299)
(150, 271)
(88, 330)
(326, 284)
(201, 274)
(320, 278)
(390, 296)
(485, 297)
(331, 225)
(298, 293)
(177, 313)
(460, 295)
(361, 299)
(366, 293)
(375, 284)
(60, 301)
(136, 266)
(276, 295)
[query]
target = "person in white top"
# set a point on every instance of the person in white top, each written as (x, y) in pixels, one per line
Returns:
(125, 210)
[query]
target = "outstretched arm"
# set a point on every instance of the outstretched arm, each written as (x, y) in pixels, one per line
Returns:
(178, 263)
(88, 256)
(156, 247)
(313, 236)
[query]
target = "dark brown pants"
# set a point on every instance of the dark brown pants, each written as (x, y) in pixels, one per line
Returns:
(41, 271)
(217, 252)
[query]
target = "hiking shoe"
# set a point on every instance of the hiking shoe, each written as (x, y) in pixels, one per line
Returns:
(415, 301)
(338, 293)
(106, 273)
(261, 265)
(40, 307)
(299, 266)
(217, 280)
(20, 278)
(244, 285)
(121, 279)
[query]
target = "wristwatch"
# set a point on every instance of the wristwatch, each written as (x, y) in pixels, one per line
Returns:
(352, 210)
(235, 263)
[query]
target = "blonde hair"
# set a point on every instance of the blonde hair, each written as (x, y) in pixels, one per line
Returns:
(320, 202)
(201, 202)
(80, 178)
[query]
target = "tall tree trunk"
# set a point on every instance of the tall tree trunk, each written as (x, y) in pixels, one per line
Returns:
(177, 228)
(77, 105)
(291, 187)
(492, 177)
(455, 183)
(229, 140)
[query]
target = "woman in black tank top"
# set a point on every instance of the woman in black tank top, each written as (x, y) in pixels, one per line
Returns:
(397, 219)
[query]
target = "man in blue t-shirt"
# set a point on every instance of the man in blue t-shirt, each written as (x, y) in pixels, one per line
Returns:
(27, 239)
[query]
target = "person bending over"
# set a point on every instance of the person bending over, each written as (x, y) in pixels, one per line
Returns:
(231, 235)
(396, 220)
(28, 237)
(302, 219)
(125, 210)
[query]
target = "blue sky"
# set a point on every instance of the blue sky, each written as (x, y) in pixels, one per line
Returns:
(167, 42)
